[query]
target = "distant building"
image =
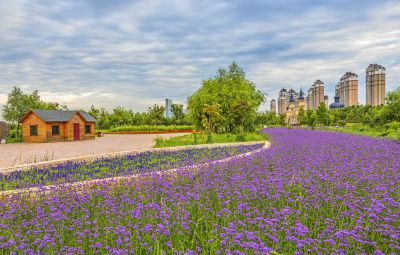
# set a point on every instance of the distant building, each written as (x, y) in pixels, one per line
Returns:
(283, 100)
(296, 101)
(375, 84)
(315, 95)
(336, 104)
(347, 89)
(168, 108)
(326, 100)
(273, 106)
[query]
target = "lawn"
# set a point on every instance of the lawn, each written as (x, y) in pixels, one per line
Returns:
(201, 138)
(311, 192)
(363, 129)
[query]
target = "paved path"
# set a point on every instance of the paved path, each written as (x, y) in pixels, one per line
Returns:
(25, 153)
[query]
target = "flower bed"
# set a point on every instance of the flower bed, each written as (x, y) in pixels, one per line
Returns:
(116, 166)
(311, 192)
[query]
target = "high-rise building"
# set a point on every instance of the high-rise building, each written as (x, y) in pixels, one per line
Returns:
(315, 95)
(347, 89)
(168, 106)
(310, 99)
(375, 84)
(282, 101)
(326, 100)
(273, 106)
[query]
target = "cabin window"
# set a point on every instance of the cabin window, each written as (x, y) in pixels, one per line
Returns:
(55, 130)
(34, 130)
(88, 129)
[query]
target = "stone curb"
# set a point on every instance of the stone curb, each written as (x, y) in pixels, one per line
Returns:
(120, 179)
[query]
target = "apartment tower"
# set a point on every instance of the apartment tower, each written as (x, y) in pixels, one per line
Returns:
(273, 106)
(347, 89)
(282, 101)
(375, 84)
(318, 96)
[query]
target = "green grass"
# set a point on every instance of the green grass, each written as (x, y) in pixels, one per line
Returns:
(201, 138)
(147, 128)
(362, 129)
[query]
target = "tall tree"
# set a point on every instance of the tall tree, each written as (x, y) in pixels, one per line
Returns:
(177, 112)
(323, 116)
(302, 116)
(238, 99)
(155, 114)
(19, 103)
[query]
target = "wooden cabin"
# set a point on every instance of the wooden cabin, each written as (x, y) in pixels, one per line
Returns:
(40, 126)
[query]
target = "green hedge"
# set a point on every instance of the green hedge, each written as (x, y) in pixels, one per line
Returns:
(148, 128)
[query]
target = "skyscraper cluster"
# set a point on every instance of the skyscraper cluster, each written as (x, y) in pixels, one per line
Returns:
(346, 92)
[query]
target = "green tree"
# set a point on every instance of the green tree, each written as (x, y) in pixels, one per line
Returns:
(155, 115)
(311, 118)
(392, 107)
(94, 112)
(19, 103)
(238, 99)
(121, 117)
(178, 115)
(302, 116)
(211, 118)
(323, 116)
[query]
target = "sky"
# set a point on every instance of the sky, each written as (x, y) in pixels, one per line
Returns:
(137, 53)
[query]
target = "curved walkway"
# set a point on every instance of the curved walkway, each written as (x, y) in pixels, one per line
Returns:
(113, 180)
(25, 153)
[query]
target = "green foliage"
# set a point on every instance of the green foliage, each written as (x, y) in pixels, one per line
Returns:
(155, 115)
(177, 111)
(211, 117)
(302, 116)
(311, 118)
(267, 118)
(323, 116)
(20, 103)
(238, 99)
(202, 138)
(147, 128)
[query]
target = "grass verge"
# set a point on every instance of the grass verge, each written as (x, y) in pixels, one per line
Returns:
(147, 128)
(201, 138)
(362, 129)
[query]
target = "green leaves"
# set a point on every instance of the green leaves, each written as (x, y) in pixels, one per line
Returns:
(237, 97)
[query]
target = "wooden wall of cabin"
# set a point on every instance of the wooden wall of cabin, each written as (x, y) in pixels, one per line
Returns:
(33, 120)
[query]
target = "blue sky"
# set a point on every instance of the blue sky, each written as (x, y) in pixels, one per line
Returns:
(136, 53)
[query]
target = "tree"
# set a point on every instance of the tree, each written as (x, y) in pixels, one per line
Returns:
(392, 107)
(211, 117)
(94, 112)
(121, 117)
(311, 118)
(238, 99)
(155, 114)
(19, 103)
(178, 115)
(302, 116)
(323, 116)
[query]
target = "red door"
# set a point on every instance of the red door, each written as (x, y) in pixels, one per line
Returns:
(76, 132)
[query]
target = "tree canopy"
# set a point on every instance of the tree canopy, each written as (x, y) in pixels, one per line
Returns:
(237, 97)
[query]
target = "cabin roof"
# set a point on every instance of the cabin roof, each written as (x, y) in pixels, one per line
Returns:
(59, 115)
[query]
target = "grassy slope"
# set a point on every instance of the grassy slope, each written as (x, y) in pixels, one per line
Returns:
(202, 139)
(360, 129)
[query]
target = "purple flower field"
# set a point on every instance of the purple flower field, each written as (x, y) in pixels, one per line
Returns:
(311, 192)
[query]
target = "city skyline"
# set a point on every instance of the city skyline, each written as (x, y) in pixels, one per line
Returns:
(137, 54)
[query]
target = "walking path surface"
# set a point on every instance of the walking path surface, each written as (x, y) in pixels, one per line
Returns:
(26, 153)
